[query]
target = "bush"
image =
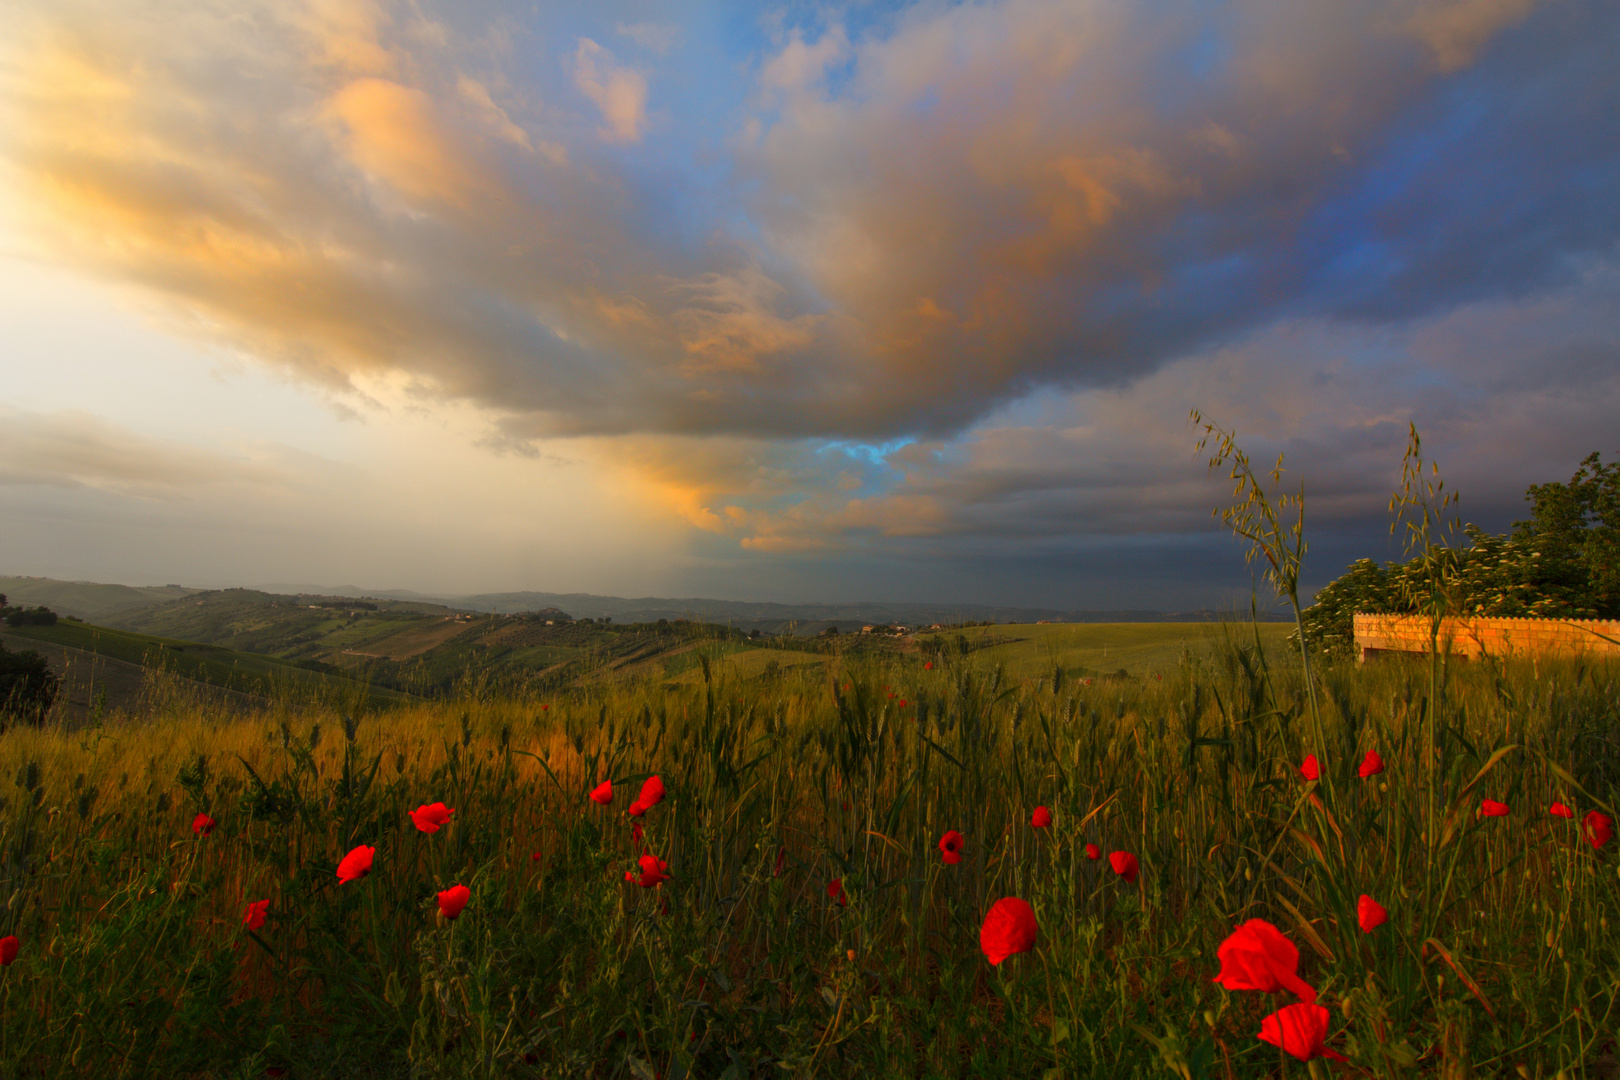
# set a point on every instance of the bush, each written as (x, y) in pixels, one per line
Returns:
(39, 616)
(27, 686)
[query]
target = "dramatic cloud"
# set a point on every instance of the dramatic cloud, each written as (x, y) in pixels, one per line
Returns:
(933, 278)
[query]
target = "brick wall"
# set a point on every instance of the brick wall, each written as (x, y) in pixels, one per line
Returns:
(1493, 637)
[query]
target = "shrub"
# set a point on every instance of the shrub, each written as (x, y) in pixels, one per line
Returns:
(27, 686)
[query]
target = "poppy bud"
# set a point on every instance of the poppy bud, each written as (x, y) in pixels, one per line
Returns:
(431, 818)
(1009, 928)
(202, 824)
(1124, 864)
(356, 864)
(453, 899)
(8, 949)
(635, 832)
(254, 917)
(602, 795)
(1041, 818)
(1371, 765)
(781, 861)
(1093, 852)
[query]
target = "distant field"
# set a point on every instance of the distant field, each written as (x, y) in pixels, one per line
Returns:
(246, 673)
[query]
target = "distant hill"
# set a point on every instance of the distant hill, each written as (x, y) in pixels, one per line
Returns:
(87, 599)
(770, 617)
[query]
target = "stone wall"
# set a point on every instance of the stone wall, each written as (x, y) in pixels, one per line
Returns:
(1493, 637)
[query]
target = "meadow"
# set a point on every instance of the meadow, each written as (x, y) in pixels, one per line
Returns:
(809, 923)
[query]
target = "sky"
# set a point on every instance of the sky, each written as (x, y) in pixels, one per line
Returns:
(892, 301)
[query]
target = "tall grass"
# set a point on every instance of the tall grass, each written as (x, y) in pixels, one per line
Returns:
(134, 960)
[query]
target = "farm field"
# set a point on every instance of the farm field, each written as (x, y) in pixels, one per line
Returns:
(797, 916)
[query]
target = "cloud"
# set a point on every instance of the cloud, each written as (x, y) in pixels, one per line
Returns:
(619, 92)
(79, 449)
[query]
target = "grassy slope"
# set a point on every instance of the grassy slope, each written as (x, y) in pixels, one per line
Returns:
(87, 600)
(248, 673)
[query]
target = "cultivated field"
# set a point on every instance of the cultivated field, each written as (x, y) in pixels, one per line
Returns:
(748, 960)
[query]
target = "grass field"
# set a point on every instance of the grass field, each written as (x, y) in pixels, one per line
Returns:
(1496, 959)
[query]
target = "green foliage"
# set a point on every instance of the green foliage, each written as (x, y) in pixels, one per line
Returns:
(34, 616)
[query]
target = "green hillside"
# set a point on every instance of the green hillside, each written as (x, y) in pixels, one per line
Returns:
(261, 676)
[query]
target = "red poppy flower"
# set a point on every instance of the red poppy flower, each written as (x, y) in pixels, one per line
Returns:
(928, 666)
(202, 824)
(255, 914)
(950, 847)
(1008, 928)
(431, 818)
(652, 872)
(1041, 818)
(1124, 864)
(1299, 1029)
(1597, 828)
(453, 899)
(1093, 852)
(1370, 914)
(835, 891)
(652, 793)
(1371, 765)
(1309, 769)
(781, 861)
(1256, 956)
(1492, 808)
(602, 794)
(543, 708)
(535, 857)
(1558, 809)
(8, 949)
(635, 832)
(902, 703)
(356, 864)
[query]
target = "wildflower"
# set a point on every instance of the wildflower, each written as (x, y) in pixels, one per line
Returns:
(1256, 956)
(431, 818)
(835, 891)
(1008, 928)
(635, 832)
(1492, 808)
(1310, 770)
(535, 857)
(1041, 818)
(1597, 828)
(543, 708)
(356, 864)
(1370, 914)
(1124, 864)
(1371, 765)
(902, 703)
(950, 847)
(1093, 852)
(202, 824)
(254, 918)
(781, 861)
(652, 872)
(602, 794)
(1299, 1029)
(652, 793)
(8, 949)
(1558, 809)
(453, 899)
(928, 666)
